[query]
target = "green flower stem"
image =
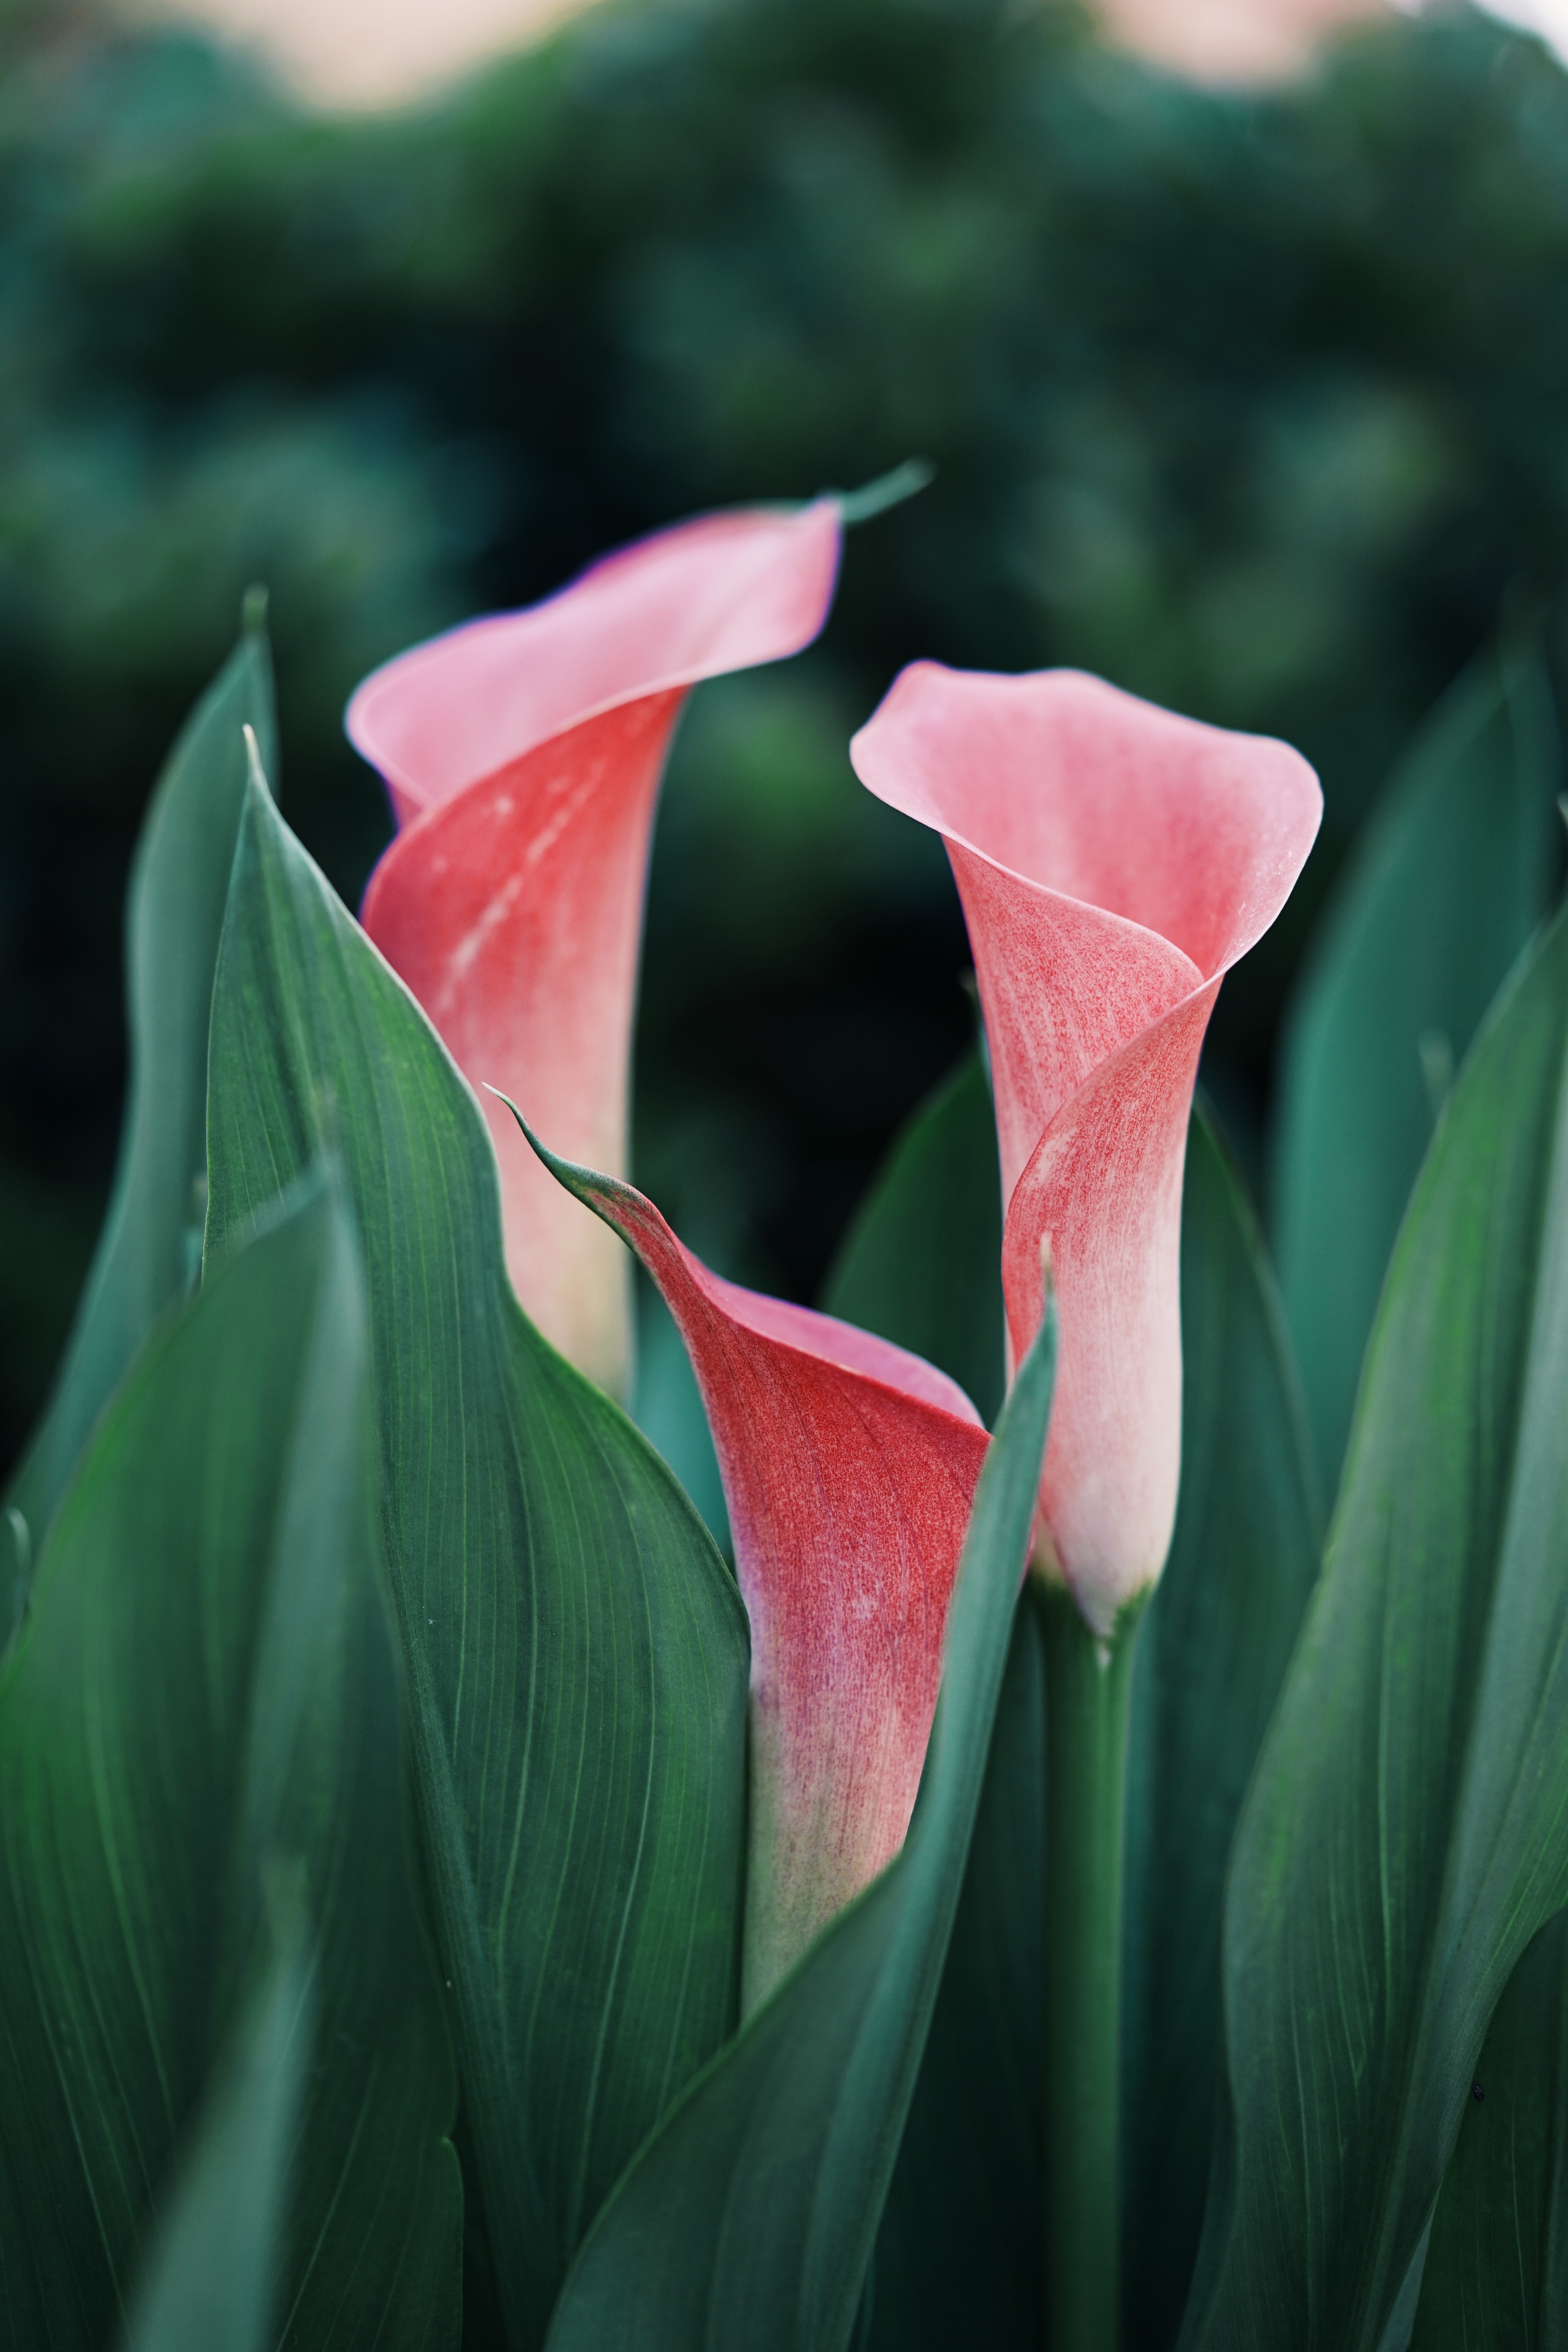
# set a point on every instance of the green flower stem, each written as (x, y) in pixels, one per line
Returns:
(1087, 1684)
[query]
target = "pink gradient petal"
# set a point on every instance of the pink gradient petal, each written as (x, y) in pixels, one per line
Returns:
(523, 754)
(849, 1467)
(1114, 861)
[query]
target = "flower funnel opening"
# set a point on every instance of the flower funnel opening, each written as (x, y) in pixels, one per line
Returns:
(1114, 861)
(523, 754)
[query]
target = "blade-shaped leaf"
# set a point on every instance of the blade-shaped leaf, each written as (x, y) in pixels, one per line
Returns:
(960, 2249)
(151, 1243)
(751, 2217)
(212, 2282)
(1449, 879)
(1211, 1657)
(921, 1264)
(1403, 1835)
(576, 1649)
(205, 1691)
(1496, 2278)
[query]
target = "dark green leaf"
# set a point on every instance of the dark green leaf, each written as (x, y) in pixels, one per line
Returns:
(1211, 1656)
(212, 2283)
(1497, 2268)
(151, 1243)
(1404, 1836)
(669, 1412)
(750, 2219)
(577, 1650)
(961, 2248)
(204, 1693)
(921, 1264)
(1446, 886)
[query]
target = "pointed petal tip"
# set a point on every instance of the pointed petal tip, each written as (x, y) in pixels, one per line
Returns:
(803, 1329)
(588, 1185)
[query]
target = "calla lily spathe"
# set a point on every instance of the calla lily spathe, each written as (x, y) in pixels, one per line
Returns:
(849, 1467)
(1114, 861)
(523, 755)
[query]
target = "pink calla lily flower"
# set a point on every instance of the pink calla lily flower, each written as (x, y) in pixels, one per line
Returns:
(1114, 861)
(849, 1467)
(523, 755)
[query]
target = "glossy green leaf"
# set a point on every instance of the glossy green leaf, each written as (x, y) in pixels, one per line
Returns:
(1405, 1834)
(151, 1243)
(576, 1649)
(1446, 885)
(751, 2218)
(204, 1696)
(1496, 2278)
(217, 2257)
(921, 1264)
(1211, 1657)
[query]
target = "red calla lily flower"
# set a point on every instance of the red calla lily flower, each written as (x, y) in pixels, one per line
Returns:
(849, 1467)
(1114, 861)
(523, 755)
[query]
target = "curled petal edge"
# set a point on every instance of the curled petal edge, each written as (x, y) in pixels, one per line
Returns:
(849, 1468)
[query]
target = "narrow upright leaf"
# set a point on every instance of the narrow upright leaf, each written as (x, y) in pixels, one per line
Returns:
(151, 1241)
(1442, 889)
(751, 2218)
(921, 1264)
(1211, 1657)
(204, 1693)
(1402, 1839)
(959, 2252)
(576, 1649)
(1496, 2278)
(216, 2262)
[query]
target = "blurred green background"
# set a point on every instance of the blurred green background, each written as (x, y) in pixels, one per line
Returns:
(1258, 406)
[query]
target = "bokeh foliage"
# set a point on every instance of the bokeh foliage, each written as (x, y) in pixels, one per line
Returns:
(1254, 405)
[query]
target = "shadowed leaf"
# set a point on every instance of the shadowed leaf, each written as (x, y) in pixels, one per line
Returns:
(211, 2284)
(1445, 887)
(151, 1243)
(1210, 1660)
(1402, 1838)
(205, 1692)
(1496, 2278)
